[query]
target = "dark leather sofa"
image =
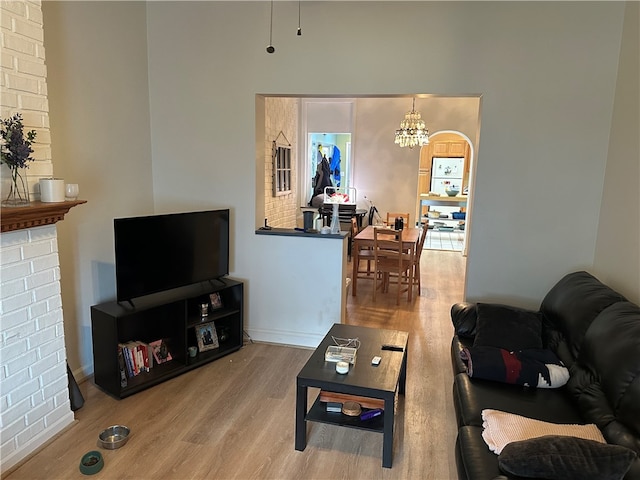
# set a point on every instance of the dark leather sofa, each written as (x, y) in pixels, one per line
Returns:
(595, 332)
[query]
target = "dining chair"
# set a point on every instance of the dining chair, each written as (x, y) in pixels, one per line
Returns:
(390, 257)
(418, 255)
(354, 232)
(391, 218)
(365, 253)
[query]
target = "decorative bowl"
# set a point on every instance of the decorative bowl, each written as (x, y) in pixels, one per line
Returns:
(114, 437)
(452, 192)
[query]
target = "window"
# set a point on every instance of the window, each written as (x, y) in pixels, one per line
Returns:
(281, 170)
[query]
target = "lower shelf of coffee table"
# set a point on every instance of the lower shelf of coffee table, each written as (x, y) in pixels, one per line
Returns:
(318, 413)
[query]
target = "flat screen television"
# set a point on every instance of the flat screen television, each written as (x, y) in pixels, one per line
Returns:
(161, 252)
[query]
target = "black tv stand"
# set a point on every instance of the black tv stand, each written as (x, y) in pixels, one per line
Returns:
(130, 302)
(214, 281)
(173, 316)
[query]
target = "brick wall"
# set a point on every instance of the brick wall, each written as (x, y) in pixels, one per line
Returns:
(34, 395)
(281, 115)
(23, 83)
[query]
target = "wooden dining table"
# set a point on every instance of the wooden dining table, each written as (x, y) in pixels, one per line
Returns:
(364, 240)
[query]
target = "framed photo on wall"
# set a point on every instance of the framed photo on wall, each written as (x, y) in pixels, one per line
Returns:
(216, 301)
(207, 337)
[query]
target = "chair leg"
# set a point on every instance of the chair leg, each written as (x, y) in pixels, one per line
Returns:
(375, 286)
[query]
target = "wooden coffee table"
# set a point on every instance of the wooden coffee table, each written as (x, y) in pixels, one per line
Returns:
(364, 379)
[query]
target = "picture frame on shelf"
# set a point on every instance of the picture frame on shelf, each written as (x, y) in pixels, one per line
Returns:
(216, 301)
(207, 337)
(160, 350)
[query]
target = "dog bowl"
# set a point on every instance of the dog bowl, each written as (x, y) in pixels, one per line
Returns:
(91, 462)
(114, 437)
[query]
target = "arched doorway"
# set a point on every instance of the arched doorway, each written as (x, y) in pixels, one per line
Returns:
(446, 162)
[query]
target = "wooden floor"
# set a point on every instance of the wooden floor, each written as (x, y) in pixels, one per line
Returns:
(234, 418)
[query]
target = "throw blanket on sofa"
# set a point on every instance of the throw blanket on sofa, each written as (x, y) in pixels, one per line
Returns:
(501, 428)
(532, 367)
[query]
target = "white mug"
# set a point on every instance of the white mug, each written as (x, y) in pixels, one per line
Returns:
(71, 191)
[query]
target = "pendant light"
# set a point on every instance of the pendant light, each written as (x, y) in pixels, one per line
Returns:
(270, 47)
(412, 129)
(299, 27)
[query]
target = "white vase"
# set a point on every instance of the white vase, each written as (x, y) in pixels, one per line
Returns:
(51, 190)
(335, 219)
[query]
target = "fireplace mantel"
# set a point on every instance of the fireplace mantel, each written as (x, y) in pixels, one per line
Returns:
(36, 214)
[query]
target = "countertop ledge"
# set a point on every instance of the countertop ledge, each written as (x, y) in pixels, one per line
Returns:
(290, 232)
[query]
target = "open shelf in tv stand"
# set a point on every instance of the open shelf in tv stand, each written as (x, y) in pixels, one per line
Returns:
(173, 316)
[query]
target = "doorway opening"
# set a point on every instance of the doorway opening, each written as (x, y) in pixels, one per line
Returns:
(444, 177)
(336, 149)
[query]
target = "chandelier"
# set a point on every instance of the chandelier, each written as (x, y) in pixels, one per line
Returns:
(412, 130)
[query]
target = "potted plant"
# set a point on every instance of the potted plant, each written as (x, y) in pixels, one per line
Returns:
(15, 153)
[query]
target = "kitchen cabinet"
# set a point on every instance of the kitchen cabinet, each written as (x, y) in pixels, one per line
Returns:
(450, 148)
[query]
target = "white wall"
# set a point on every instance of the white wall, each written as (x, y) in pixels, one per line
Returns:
(301, 291)
(617, 259)
(546, 72)
(99, 109)
(537, 123)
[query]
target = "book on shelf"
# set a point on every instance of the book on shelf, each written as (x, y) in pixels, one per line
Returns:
(131, 348)
(135, 358)
(335, 407)
(123, 368)
(145, 355)
(127, 360)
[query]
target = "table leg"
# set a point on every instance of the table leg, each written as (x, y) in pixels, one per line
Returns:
(355, 260)
(402, 381)
(301, 411)
(409, 285)
(387, 434)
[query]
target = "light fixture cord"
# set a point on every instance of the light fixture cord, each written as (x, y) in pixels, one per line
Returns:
(271, 26)
(299, 27)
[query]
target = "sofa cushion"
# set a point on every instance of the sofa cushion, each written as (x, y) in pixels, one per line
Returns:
(532, 367)
(472, 395)
(507, 327)
(565, 458)
(570, 307)
(605, 379)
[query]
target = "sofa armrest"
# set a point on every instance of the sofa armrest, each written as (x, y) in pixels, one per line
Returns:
(457, 344)
(463, 316)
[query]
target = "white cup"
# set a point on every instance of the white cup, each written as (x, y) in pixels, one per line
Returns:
(71, 191)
